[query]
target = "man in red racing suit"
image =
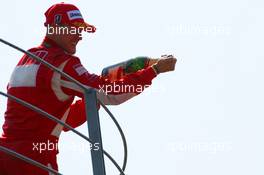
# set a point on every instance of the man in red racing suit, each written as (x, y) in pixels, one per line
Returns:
(26, 131)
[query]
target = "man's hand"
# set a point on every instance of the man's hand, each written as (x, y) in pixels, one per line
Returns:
(165, 64)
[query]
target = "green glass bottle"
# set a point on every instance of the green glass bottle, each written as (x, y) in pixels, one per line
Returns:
(133, 65)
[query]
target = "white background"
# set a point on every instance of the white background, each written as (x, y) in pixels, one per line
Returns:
(205, 118)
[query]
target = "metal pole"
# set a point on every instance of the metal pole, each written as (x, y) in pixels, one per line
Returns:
(94, 132)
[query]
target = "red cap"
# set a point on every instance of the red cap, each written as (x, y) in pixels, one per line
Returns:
(67, 14)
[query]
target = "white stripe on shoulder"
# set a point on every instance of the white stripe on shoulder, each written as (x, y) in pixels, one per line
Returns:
(24, 76)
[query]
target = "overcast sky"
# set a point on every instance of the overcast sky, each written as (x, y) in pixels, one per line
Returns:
(205, 118)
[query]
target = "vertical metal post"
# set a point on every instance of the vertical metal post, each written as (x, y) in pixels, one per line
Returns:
(94, 132)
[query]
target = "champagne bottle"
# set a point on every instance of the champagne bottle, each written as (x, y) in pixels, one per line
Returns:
(117, 71)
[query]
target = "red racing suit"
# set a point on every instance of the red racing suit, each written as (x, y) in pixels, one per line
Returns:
(24, 130)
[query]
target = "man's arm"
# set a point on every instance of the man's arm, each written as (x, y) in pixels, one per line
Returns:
(77, 115)
(113, 93)
(108, 92)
